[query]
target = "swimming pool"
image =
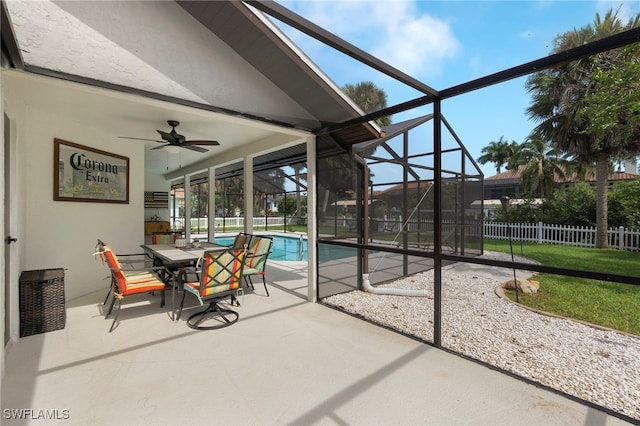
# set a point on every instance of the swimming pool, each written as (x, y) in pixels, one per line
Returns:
(284, 248)
(289, 249)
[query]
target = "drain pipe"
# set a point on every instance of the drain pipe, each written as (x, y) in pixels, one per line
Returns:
(366, 285)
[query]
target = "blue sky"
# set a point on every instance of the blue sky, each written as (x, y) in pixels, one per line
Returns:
(445, 43)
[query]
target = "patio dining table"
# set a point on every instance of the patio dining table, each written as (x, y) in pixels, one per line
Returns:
(173, 258)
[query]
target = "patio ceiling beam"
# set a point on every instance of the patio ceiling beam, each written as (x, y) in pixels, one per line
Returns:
(404, 106)
(157, 96)
(262, 167)
(309, 28)
(602, 45)
(270, 143)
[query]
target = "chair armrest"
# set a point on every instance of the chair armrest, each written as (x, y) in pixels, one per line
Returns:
(135, 258)
(181, 274)
(148, 270)
(252, 256)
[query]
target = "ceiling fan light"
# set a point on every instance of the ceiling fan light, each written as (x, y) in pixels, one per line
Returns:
(173, 149)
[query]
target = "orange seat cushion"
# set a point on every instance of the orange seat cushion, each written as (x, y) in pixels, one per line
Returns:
(132, 282)
(144, 286)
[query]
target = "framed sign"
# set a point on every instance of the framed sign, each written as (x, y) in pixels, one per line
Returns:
(86, 174)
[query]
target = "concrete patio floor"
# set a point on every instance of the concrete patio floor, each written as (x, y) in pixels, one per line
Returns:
(286, 361)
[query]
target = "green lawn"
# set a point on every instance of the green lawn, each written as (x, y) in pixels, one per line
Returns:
(598, 302)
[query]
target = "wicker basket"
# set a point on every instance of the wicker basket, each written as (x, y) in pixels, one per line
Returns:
(42, 306)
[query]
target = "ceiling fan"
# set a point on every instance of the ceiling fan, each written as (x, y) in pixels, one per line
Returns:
(173, 138)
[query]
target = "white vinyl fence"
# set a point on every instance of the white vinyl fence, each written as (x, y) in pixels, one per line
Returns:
(231, 222)
(620, 238)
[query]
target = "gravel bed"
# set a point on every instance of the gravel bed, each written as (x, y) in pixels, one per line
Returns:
(598, 365)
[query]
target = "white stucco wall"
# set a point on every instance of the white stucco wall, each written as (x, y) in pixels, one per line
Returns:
(61, 233)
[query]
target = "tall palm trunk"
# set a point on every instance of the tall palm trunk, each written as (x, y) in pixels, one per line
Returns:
(602, 210)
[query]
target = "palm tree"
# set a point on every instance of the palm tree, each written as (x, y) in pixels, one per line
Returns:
(614, 105)
(498, 152)
(541, 165)
(557, 98)
(369, 98)
(515, 159)
(583, 169)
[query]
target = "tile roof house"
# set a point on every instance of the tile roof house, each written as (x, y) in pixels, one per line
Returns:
(509, 182)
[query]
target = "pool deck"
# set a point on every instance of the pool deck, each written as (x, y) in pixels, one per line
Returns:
(286, 361)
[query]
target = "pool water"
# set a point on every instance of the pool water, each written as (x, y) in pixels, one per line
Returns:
(283, 248)
(295, 249)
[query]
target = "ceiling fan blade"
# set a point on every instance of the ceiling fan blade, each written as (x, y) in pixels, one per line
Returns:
(193, 148)
(167, 136)
(202, 142)
(141, 139)
(175, 139)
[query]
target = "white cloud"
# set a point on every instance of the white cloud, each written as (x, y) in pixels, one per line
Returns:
(623, 8)
(417, 45)
(395, 31)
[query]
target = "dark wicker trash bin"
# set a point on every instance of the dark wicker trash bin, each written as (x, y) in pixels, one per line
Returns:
(42, 305)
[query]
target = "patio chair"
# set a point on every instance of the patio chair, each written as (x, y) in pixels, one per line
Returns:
(220, 276)
(164, 237)
(126, 282)
(256, 260)
(241, 241)
(126, 262)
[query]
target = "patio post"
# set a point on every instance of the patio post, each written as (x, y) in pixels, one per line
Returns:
(212, 205)
(248, 194)
(187, 207)
(312, 224)
(437, 222)
(405, 202)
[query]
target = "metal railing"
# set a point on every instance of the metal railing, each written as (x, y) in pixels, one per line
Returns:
(235, 222)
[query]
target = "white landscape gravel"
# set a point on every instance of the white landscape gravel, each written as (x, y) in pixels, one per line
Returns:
(597, 365)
